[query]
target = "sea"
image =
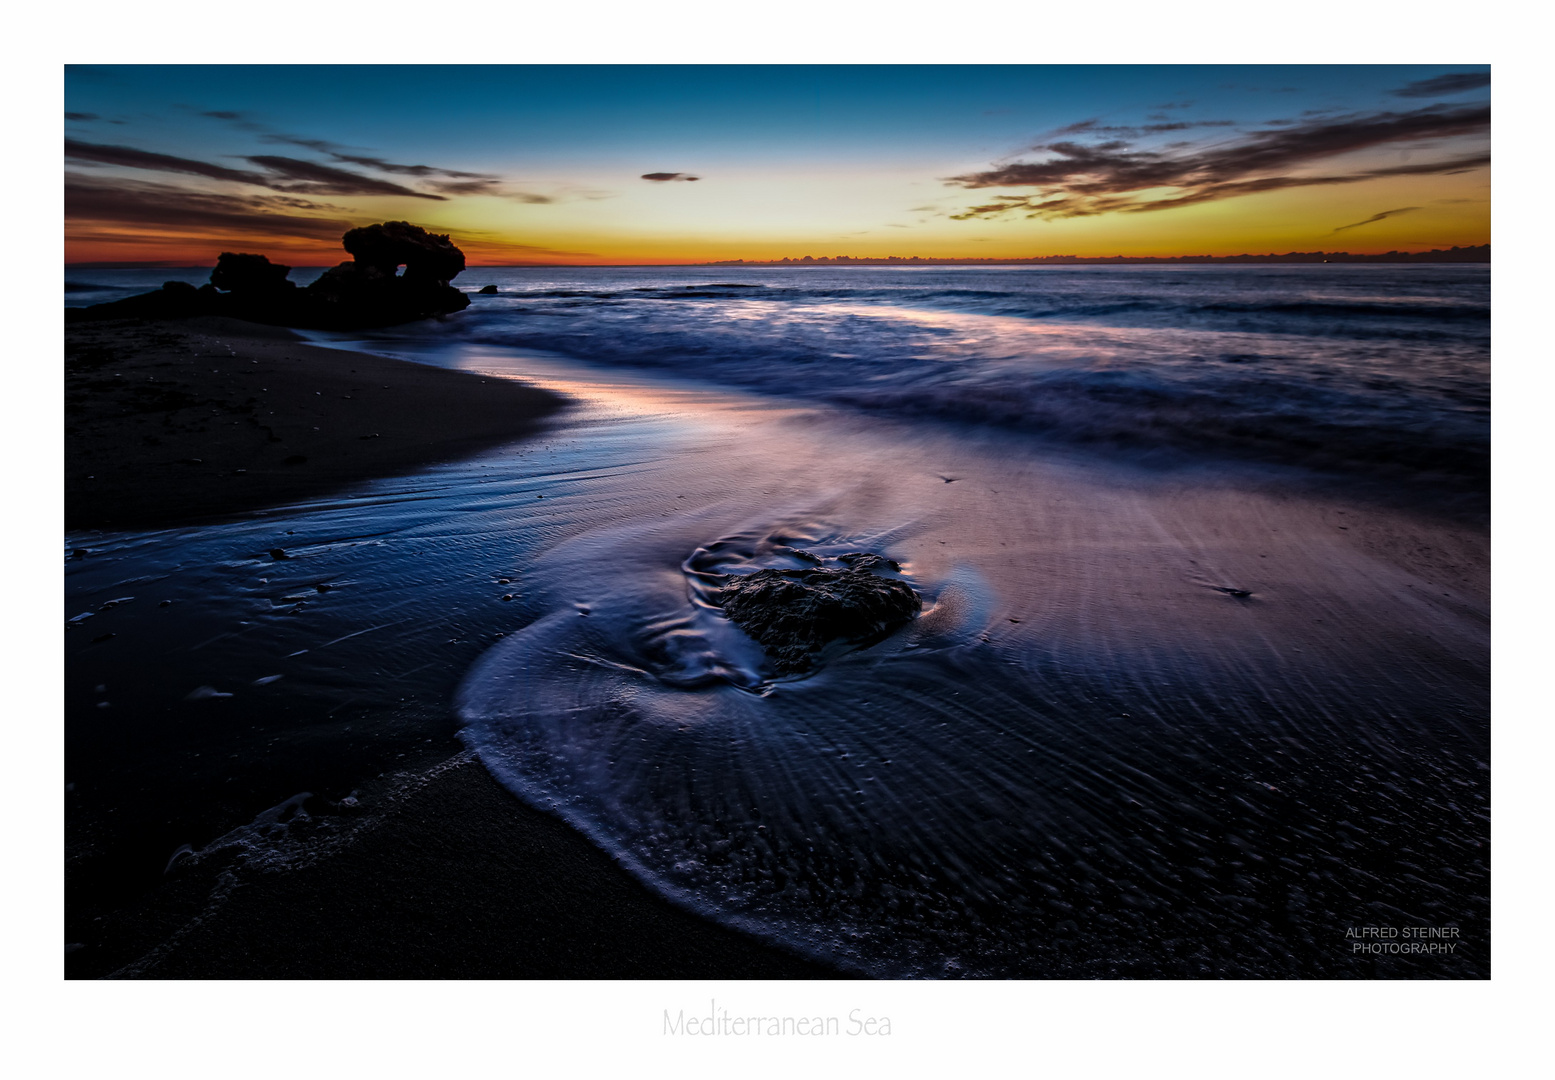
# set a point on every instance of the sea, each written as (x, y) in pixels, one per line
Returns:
(1200, 680)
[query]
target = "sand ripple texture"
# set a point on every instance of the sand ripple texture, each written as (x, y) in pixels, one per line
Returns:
(1137, 730)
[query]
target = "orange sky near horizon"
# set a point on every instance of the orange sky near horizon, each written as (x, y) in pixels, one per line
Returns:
(1218, 234)
(1296, 220)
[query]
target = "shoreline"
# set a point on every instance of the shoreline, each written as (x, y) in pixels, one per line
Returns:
(176, 421)
(441, 874)
(517, 893)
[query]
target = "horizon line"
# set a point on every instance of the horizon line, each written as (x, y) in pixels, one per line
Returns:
(173, 264)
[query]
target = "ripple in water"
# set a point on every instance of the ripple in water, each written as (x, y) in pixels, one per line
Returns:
(647, 718)
(957, 799)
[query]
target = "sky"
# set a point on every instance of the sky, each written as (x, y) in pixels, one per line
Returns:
(641, 164)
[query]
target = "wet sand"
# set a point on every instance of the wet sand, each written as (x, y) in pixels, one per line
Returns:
(175, 421)
(445, 876)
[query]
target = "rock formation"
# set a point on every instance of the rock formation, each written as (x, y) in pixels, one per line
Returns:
(366, 291)
(425, 256)
(249, 275)
(793, 614)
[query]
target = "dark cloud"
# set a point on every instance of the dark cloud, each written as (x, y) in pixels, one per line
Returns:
(494, 188)
(1444, 167)
(1078, 179)
(298, 176)
(393, 167)
(661, 177)
(179, 210)
(281, 173)
(144, 159)
(1043, 206)
(1445, 84)
(466, 187)
(409, 170)
(236, 119)
(291, 174)
(338, 153)
(1378, 217)
(323, 146)
(295, 202)
(1134, 131)
(80, 116)
(312, 178)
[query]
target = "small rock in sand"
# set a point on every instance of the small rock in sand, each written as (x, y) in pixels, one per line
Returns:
(793, 614)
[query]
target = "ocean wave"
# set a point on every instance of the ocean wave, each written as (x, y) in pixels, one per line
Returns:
(1060, 306)
(1379, 380)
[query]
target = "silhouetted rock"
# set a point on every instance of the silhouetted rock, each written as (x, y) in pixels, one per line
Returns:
(350, 282)
(425, 256)
(793, 614)
(249, 275)
(174, 300)
(489, 290)
(369, 290)
(353, 295)
(365, 292)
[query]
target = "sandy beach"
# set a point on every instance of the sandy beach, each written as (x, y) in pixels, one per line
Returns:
(1169, 710)
(193, 418)
(446, 877)
(452, 877)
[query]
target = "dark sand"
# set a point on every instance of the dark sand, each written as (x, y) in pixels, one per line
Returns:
(452, 878)
(173, 421)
